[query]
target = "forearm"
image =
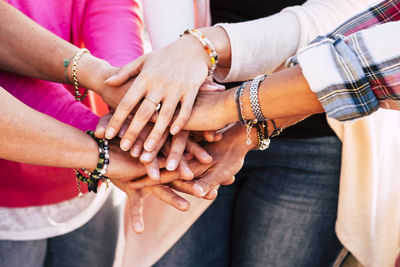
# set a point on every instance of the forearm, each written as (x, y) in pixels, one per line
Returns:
(32, 137)
(33, 51)
(284, 94)
(29, 136)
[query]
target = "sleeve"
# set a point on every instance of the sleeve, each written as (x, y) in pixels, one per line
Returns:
(112, 30)
(161, 28)
(262, 45)
(355, 75)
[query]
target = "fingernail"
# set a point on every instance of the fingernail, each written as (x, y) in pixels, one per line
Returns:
(206, 156)
(199, 190)
(150, 144)
(172, 164)
(126, 144)
(214, 193)
(155, 174)
(175, 130)
(109, 79)
(136, 151)
(138, 227)
(110, 133)
(145, 157)
(183, 203)
(189, 172)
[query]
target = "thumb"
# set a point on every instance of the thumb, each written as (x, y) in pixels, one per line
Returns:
(101, 126)
(126, 72)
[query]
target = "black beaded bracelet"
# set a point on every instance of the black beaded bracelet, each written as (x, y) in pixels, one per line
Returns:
(92, 179)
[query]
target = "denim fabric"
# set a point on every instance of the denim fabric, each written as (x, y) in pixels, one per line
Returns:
(280, 212)
(93, 244)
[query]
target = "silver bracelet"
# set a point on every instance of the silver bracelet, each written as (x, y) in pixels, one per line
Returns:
(255, 104)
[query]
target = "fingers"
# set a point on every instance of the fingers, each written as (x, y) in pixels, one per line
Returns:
(126, 72)
(185, 171)
(167, 195)
(101, 125)
(178, 146)
(210, 86)
(199, 152)
(184, 112)
(135, 203)
(163, 120)
(229, 181)
(187, 188)
(166, 177)
(209, 181)
(125, 107)
(147, 157)
(153, 170)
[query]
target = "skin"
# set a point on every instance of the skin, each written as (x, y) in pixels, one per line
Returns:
(155, 79)
(44, 61)
(52, 143)
(282, 95)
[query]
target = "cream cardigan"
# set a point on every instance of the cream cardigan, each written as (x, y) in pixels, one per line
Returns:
(368, 221)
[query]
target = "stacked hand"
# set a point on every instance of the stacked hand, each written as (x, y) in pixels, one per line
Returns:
(136, 90)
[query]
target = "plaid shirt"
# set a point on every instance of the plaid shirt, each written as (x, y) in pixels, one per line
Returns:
(356, 69)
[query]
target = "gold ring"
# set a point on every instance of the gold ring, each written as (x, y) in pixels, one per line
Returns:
(151, 99)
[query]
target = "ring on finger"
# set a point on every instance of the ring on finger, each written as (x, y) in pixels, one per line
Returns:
(158, 105)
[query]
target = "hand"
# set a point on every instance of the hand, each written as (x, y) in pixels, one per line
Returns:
(228, 156)
(157, 83)
(173, 150)
(136, 199)
(213, 111)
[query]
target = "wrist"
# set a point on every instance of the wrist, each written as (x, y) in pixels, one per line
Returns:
(238, 134)
(92, 72)
(230, 106)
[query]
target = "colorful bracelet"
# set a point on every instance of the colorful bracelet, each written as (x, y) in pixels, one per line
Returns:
(78, 55)
(208, 46)
(92, 179)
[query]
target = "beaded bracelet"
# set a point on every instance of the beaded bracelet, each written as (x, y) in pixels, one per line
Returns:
(78, 55)
(208, 46)
(263, 136)
(92, 179)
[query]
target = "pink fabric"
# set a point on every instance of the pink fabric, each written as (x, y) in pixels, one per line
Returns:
(110, 30)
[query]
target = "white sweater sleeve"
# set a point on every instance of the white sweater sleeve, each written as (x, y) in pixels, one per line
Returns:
(260, 46)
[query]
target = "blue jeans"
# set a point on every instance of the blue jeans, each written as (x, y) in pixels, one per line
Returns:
(281, 211)
(93, 244)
